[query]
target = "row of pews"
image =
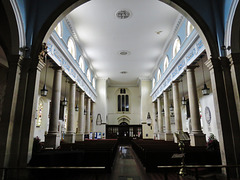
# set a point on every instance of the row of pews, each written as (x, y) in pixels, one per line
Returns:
(153, 153)
(88, 153)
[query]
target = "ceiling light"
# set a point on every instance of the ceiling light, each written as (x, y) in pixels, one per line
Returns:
(124, 52)
(123, 14)
(123, 72)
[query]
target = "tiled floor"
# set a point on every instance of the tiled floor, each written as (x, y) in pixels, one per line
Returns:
(126, 167)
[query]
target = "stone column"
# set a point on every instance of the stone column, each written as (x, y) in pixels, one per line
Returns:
(87, 131)
(197, 138)
(8, 109)
(168, 132)
(154, 121)
(30, 106)
(93, 124)
(52, 139)
(81, 124)
(160, 119)
(70, 133)
(235, 75)
(177, 109)
(229, 152)
(16, 127)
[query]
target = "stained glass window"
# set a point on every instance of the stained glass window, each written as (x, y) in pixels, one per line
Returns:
(40, 111)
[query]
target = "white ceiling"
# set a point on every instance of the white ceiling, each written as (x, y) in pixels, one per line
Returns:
(102, 36)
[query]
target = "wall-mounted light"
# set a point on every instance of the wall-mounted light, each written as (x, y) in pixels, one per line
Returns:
(149, 120)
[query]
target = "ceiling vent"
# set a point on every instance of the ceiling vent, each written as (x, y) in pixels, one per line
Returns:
(123, 14)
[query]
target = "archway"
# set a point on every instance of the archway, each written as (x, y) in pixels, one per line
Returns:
(185, 9)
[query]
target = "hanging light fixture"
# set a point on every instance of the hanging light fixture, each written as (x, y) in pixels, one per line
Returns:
(171, 108)
(76, 108)
(205, 90)
(163, 112)
(44, 90)
(149, 120)
(184, 102)
(64, 101)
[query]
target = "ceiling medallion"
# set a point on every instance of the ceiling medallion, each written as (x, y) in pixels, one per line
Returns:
(123, 14)
(124, 52)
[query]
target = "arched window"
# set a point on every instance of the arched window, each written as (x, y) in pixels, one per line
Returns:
(71, 47)
(166, 62)
(159, 75)
(39, 113)
(89, 75)
(190, 28)
(123, 100)
(153, 82)
(94, 83)
(82, 64)
(176, 46)
(58, 29)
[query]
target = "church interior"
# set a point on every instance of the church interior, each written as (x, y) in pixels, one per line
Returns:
(119, 90)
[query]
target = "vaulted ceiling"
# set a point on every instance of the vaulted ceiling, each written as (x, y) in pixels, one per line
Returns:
(124, 40)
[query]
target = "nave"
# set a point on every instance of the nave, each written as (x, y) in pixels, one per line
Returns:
(126, 165)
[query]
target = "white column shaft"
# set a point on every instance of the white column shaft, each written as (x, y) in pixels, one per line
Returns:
(193, 101)
(71, 109)
(88, 116)
(167, 112)
(160, 119)
(55, 104)
(176, 104)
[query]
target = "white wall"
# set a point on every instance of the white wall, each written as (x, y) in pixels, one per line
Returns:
(146, 106)
(207, 101)
(134, 106)
(100, 106)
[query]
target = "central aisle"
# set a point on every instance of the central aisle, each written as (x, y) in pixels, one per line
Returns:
(127, 166)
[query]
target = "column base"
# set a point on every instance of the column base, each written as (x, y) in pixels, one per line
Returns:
(168, 136)
(69, 138)
(52, 140)
(161, 136)
(79, 137)
(198, 139)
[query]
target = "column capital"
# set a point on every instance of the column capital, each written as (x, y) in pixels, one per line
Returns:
(176, 81)
(191, 67)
